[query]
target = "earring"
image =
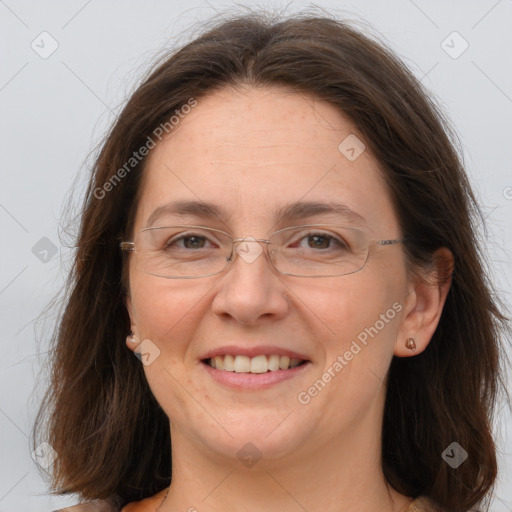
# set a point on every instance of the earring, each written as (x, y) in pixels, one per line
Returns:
(410, 344)
(131, 338)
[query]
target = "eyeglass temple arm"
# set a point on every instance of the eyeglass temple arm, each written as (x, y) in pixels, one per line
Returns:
(127, 246)
(390, 242)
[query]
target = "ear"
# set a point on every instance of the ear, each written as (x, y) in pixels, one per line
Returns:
(426, 297)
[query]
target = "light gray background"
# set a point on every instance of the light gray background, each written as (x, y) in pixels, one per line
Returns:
(55, 110)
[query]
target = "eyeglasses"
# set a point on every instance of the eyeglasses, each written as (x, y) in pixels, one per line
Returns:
(314, 250)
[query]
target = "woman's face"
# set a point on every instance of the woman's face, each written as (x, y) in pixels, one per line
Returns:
(252, 154)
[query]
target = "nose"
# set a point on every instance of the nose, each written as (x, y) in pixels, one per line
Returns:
(251, 289)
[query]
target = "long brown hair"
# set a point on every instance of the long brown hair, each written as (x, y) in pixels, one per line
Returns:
(112, 437)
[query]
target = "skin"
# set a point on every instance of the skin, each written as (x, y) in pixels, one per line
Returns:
(251, 151)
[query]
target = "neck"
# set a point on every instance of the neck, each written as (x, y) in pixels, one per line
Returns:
(342, 474)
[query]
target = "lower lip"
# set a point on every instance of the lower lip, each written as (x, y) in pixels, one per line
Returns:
(254, 380)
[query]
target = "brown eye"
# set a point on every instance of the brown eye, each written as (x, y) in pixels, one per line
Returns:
(193, 242)
(321, 241)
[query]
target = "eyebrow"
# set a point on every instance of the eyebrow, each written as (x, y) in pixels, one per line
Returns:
(291, 212)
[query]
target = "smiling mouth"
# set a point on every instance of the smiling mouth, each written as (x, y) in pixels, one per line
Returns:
(257, 364)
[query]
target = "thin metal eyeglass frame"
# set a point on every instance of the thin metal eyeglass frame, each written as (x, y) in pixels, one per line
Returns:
(130, 247)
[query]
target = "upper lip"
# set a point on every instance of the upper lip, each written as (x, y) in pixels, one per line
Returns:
(253, 352)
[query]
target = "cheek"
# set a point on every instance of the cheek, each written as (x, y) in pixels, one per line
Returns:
(168, 316)
(164, 311)
(362, 313)
(357, 348)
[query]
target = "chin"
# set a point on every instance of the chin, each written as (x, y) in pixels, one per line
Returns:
(263, 435)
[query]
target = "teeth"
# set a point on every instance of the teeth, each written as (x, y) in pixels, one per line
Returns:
(242, 364)
(229, 363)
(273, 362)
(284, 362)
(257, 364)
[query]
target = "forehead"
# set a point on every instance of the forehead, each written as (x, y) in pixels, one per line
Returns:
(254, 151)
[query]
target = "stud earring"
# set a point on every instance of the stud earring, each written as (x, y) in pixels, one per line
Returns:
(410, 344)
(131, 338)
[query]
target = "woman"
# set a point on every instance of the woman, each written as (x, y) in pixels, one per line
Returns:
(281, 229)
